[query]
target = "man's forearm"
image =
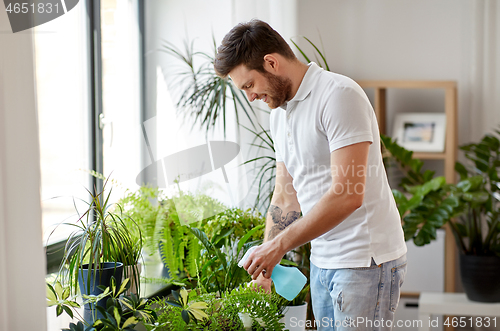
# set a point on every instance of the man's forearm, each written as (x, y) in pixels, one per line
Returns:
(279, 218)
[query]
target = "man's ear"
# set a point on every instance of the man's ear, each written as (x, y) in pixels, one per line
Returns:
(271, 63)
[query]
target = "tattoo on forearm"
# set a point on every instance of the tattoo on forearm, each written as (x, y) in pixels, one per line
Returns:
(280, 221)
(275, 212)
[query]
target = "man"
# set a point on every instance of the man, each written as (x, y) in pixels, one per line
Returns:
(329, 167)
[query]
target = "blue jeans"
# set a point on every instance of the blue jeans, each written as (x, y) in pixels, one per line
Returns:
(357, 298)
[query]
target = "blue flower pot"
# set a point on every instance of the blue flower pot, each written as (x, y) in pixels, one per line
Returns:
(102, 277)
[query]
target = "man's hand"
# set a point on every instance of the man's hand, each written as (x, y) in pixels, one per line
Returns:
(262, 282)
(264, 258)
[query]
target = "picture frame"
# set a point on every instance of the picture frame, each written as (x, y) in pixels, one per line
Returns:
(420, 132)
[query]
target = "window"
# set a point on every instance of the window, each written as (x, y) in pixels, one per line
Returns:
(63, 97)
(121, 97)
(74, 82)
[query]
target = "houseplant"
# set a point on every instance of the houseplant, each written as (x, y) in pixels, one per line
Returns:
(179, 248)
(195, 310)
(470, 207)
(218, 270)
(142, 206)
(220, 289)
(121, 313)
(478, 230)
(204, 95)
(99, 239)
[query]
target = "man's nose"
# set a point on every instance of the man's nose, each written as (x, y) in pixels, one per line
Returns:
(251, 96)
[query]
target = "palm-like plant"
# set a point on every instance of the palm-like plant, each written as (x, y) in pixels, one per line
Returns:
(205, 96)
(101, 235)
(265, 165)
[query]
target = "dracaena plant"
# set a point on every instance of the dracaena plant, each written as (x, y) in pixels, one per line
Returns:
(101, 235)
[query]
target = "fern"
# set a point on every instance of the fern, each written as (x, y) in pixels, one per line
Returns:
(194, 252)
(223, 311)
(166, 247)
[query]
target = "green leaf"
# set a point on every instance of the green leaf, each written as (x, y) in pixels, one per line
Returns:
(425, 235)
(433, 185)
(409, 230)
(117, 316)
(51, 296)
(59, 310)
(247, 235)
(68, 311)
(413, 218)
(414, 201)
(124, 286)
(412, 188)
(462, 171)
(65, 293)
(476, 197)
(174, 303)
(131, 321)
(436, 220)
(185, 316)
(399, 197)
(59, 289)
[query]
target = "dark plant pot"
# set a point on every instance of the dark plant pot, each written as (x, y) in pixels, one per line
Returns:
(103, 277)
(480, 277)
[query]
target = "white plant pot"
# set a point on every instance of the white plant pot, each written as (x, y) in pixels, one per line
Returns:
(247, 321)
(295, 317)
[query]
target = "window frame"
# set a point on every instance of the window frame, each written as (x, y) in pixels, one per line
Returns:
(55, 251)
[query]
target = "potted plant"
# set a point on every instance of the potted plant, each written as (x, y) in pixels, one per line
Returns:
(94, 248)
(122, 312)
(130, 254)
(144, 208)
(195, 310)
(295, 311)
(471, 208)
(477, 231)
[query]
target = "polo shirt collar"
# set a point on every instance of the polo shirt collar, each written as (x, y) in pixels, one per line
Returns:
(306, 85)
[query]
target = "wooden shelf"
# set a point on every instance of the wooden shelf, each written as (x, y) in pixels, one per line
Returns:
(430, 156)
(413, 84)
(449, 156)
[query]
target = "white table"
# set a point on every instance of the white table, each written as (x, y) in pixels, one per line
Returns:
(457, 305)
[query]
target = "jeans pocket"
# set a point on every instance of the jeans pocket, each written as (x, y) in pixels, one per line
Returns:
(373, 265)
(397, 278)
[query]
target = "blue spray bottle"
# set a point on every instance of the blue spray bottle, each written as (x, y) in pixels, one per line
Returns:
(288, 281)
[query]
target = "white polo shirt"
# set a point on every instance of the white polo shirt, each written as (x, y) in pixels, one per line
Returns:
(330, 111)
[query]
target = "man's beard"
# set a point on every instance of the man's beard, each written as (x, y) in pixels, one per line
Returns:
(280, 89)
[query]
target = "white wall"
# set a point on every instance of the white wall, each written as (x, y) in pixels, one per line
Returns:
(22, 259)
(415, 40)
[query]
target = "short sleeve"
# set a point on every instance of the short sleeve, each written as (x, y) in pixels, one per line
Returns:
(272, 130)
(347, 118)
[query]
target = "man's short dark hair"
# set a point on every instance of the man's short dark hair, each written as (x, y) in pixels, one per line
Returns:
(248, 43)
